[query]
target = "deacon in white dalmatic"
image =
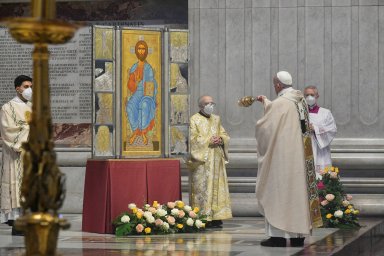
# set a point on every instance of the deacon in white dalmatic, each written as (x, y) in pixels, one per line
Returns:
(323, 127)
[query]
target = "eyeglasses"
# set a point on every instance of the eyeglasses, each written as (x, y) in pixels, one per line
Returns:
(210, 103)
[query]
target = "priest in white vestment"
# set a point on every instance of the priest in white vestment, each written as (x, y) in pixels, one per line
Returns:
(209, 155)
(14, 127)
(323, 129)
(286, 181)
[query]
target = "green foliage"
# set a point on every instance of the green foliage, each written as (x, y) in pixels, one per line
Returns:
(337, 211)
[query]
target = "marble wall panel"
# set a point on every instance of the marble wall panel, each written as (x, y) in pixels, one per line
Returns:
(336, 45)
(261, 3)
(287, 38)
(209, 3)
(261, 57)
(368, 64)
(341, 64)
(235, 4)
(314, 2)
(208, 54)
(314, 49)
(233, 88)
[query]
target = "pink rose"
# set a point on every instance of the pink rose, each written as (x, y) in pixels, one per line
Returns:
(321, 172)
(349, 197)
(192, 214)
(171, 205)
(320, 185)
(158, 222)
(139, 228)
(181, 214)
(171, 220)
(152, 210)
(324, 202)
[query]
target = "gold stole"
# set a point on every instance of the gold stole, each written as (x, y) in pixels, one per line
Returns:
(313, 196)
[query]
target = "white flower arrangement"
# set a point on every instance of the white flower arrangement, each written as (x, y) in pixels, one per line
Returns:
(172, 217)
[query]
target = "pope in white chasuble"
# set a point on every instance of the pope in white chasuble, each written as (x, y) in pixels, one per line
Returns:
(209, 155)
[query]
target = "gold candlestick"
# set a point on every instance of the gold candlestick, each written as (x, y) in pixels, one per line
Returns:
(42, 189)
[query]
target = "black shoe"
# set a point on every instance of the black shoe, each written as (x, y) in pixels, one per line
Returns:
(297, 242)
(217, 224)
(17, 232)
(10, 222)
(274, 242)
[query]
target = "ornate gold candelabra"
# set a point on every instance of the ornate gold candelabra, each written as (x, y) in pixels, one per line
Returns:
(42, 189)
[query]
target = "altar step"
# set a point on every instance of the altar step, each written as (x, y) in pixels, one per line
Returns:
(366, 241)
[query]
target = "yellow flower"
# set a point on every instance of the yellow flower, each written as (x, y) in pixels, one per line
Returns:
(139, 215)
(337, 170)
(347, 211)
(196, 209)
(179, 226)
(147, 230)
(356, 212)
(155, 204)
(180, 204)
(332, 168)
(329, 215)
(325, 169)
(134, 210)
(350, 206)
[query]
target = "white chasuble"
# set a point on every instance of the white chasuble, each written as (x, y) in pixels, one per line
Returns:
(286, 175)
(208, 178)
(14, 128)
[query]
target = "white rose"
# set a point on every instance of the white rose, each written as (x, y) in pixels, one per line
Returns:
(175, 212)
(146, 206)
(161, 212)
(165, 225)
(187, 208)
(345, 203)
(338, 214)
(131, 206)
(147, 214)
(199, 223)
(151, 219)
(330, 197)
(190, 222)
(125, 219)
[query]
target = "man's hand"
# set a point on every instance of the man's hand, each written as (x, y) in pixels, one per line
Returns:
(216, 140)
(261, 98)
(311, 128)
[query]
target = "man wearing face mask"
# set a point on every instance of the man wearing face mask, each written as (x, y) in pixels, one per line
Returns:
(209, 155)
(14, 127)
(286, 180)
(323, 128)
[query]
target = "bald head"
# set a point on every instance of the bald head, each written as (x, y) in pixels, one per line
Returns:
(204, 100)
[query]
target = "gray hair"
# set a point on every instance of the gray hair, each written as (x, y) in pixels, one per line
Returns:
(312, 87)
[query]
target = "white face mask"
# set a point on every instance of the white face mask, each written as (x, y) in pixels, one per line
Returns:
(27, 94)
(310, 100)
(208, 109)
